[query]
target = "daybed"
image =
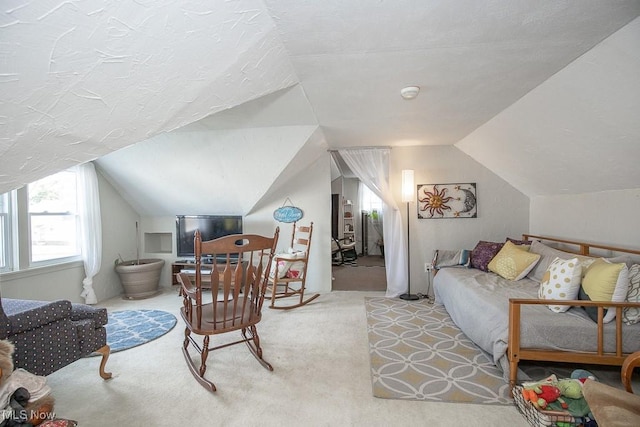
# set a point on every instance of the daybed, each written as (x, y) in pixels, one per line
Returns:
(507, 319)
(50, 335)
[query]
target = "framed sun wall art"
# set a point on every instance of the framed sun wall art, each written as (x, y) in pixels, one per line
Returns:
(447, 201)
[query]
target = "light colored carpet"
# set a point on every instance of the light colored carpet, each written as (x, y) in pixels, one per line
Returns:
(321, 377)
(417, 352)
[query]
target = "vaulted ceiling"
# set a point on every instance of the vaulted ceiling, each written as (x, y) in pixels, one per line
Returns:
(82, 80)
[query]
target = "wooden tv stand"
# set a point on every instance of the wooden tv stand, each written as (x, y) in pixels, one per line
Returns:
(177, 267)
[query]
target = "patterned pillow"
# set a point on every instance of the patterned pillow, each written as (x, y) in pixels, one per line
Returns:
(513, 262)
(631, 315)
(483, 253)
(605, 281)
(518, 242)
(561, 282)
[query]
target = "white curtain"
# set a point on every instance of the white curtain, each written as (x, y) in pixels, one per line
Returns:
(90, 228)
(371, 166)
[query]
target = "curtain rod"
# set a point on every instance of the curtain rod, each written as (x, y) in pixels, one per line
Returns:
(377, 147)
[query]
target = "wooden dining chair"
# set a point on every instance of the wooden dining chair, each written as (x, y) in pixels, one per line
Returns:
(288, 275)
(238, 280)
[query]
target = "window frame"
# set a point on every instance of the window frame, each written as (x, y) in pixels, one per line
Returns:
(17, 236)
(62, 259)
(8, 224)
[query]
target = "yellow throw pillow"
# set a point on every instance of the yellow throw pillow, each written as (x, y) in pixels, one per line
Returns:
(600, 280)
(561, 281)
(513, 262)
(606, 281)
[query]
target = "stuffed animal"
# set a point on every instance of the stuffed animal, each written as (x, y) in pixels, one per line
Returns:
(532, 389)
(548, 394)
(26, 399)
(571, 388)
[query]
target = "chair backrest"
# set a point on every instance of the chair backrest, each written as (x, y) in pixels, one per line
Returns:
(301, 241)
(301, 237)
(238, 280)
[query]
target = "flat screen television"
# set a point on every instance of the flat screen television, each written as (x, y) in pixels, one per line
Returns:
(210, 226)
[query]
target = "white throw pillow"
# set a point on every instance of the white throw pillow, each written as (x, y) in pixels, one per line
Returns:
(296, 270)
(282, 264)
(561, 281)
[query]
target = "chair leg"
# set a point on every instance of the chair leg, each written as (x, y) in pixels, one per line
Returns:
(253, 342)
(198, 373)
(300, 304)
(273, 294)
(104, 351)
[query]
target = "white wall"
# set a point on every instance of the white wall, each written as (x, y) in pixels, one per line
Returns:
(311, 192)
(609, 217)
(502, 210)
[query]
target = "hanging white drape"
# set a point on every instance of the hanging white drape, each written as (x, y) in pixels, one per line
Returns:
(90, 228)
(371, 166)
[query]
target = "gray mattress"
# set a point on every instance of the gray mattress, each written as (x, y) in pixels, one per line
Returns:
(478, 303)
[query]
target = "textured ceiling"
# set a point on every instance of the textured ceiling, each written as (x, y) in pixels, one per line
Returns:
(81, 79)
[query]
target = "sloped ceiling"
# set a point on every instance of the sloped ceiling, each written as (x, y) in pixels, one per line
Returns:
(81, 79)
(579, 132)
(84, 79)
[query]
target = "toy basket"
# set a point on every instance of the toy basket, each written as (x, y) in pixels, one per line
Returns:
(540, 417)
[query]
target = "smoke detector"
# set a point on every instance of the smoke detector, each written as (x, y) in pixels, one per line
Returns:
(410, 92)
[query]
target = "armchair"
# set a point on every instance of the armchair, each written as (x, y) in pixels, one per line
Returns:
(50, 335)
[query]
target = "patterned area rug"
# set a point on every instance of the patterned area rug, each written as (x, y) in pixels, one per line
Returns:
(418, 353)
(131, 328)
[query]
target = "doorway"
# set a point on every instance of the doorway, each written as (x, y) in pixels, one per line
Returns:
(356, 217)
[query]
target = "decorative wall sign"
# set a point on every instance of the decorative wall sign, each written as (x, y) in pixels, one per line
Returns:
(287, 213)
(447, 201)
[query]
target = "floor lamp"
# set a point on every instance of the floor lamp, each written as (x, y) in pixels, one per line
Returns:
(408, 193)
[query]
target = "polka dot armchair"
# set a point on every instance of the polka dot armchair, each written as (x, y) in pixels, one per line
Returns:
(50, 335)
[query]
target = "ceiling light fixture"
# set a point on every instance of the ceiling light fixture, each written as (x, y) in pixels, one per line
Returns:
(410, 92)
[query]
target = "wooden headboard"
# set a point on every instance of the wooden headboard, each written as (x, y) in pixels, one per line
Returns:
(583, 248)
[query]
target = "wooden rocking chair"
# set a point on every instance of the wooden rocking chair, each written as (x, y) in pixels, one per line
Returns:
(239, 276)
(289, 274)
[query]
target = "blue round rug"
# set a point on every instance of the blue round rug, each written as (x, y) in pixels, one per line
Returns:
(131, 328)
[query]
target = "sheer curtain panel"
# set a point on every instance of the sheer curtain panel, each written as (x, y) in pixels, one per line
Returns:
(90, 228)
(371, 166)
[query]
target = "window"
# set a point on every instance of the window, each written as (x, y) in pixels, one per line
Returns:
(5, 231)
(53, 219)
(370, 202)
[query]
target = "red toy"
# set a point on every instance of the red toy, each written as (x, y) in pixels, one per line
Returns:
(548, 394)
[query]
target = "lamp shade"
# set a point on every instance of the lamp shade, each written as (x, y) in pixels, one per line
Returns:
(408, 192)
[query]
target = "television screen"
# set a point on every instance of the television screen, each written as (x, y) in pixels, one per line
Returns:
(211, 227)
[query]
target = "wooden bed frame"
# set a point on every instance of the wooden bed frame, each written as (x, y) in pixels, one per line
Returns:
(516, 353)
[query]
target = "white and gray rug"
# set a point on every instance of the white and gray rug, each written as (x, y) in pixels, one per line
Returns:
(418, 353)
